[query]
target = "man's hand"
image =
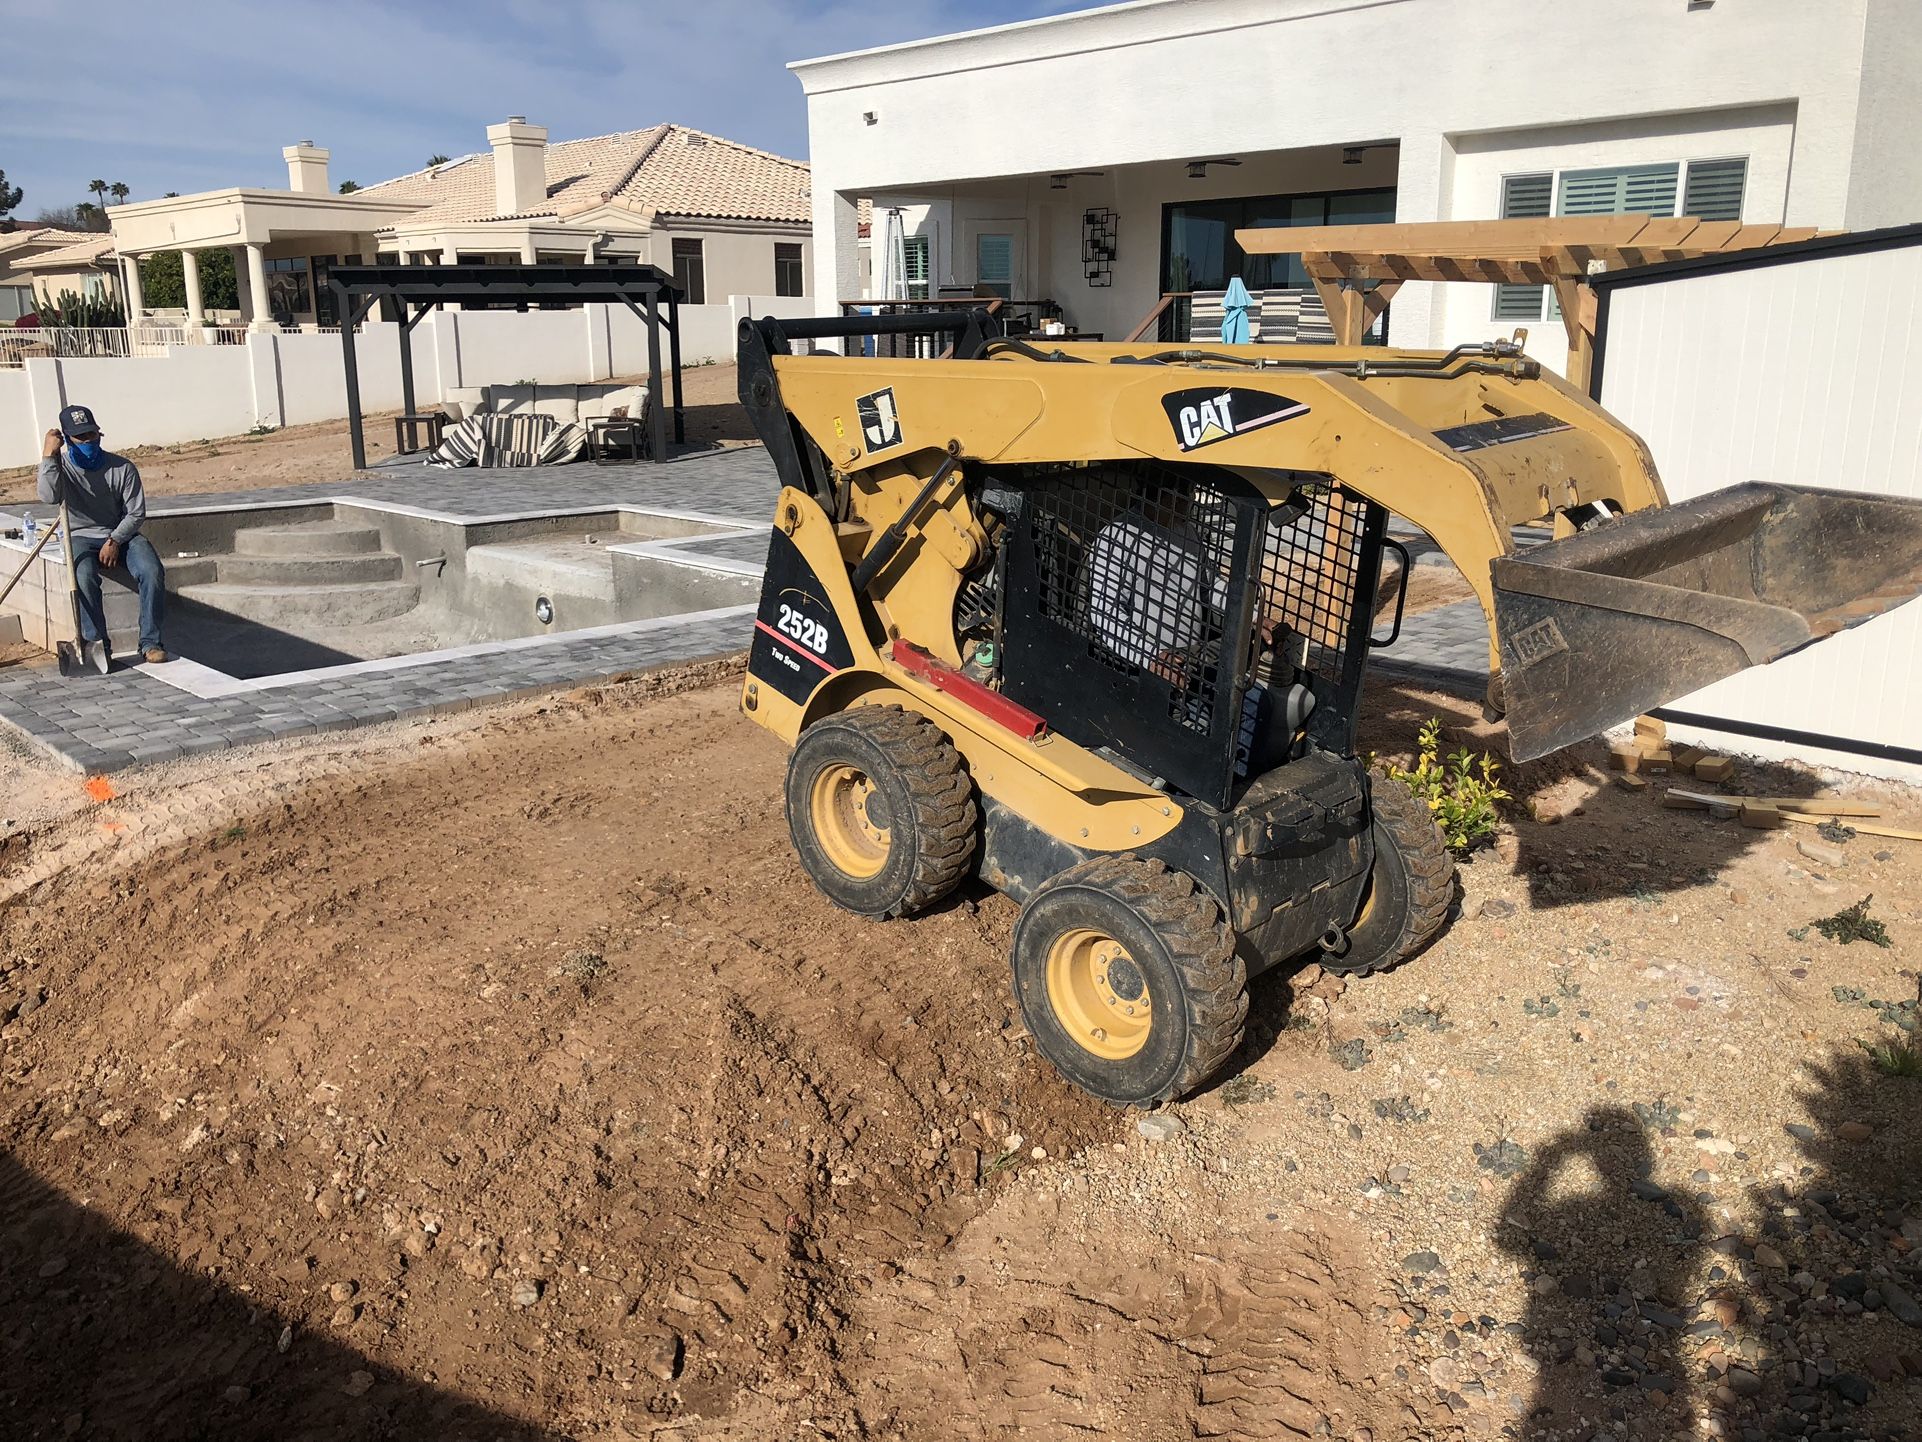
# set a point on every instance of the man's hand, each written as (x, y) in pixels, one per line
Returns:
(110, 552)
(50, 446)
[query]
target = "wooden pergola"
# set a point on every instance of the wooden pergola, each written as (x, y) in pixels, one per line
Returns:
(1356, 269)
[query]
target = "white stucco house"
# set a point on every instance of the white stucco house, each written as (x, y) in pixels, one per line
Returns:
(1099, 160)
(722, 217)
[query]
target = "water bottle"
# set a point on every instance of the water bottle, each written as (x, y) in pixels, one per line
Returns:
(32, 529)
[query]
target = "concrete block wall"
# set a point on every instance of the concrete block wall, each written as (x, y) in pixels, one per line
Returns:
(202, 392)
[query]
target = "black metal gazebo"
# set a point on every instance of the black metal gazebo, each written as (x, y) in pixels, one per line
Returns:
(646, 290)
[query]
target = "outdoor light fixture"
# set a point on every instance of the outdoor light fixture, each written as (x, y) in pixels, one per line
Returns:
(1351, 154)
(1059, 180)
(869, 117)
(544, 610)
(1198, 169)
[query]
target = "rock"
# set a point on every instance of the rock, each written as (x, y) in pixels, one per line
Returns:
(1855, 1131)
(1727, 1310)
(1419, 1264)
(664, 1356)
(286, 1340)
(1546, 1285)
(1820, 851)
(358, 1384)
(1399, 1174)
(527, 1292)
(1800, 1132)
(1545, 812)
(52, 1267)
(346, 1316)
(1160, 1126)
(234, 1396)
(1496, 908)
(1744, 1383)
(1851, 1388)
(1648, 1191)
(343, 1291)
(1901, 1305)
(1767, 1256)
(1445, 1372)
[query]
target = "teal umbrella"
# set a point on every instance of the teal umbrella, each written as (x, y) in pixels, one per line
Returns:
(1235, 305)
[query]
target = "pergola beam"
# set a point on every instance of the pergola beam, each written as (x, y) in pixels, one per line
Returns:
(1356, 268)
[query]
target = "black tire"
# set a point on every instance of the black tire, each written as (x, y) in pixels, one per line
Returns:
(1409, 890)
(925, 810)
(1179, 952)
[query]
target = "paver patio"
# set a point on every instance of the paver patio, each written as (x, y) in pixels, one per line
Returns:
(133, 717)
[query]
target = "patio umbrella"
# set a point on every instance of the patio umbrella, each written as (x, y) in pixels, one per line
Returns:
(1235, 305)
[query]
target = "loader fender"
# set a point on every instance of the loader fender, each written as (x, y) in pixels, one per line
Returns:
(799, 638)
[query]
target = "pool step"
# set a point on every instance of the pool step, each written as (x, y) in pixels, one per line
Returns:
(308, 538)
(352, 603)
(309, 570)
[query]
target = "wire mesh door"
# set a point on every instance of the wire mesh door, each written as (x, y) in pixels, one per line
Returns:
(1156, 609)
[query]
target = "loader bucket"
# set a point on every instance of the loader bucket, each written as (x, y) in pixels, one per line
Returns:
(1602, 626)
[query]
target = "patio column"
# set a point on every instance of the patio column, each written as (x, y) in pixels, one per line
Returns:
(136, 302)
(528, 255)
(837, 255)
(262, 317)
(190, 277)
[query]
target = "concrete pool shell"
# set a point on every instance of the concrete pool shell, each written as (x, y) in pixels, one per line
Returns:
(308, 589)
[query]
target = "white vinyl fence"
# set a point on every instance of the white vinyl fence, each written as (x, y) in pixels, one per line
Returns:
(150, 388)
(1804, 370)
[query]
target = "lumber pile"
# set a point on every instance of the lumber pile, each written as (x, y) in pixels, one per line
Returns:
(1651, 754)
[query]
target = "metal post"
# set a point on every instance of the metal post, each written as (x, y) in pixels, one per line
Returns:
(656, 416)
(406, 365)
(344, 306)
(674, 357)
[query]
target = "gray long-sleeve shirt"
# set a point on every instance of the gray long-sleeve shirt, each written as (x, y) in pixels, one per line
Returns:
(106, 501)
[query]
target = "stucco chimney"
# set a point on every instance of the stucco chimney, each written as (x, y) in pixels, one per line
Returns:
(520, 165)
(306, 168)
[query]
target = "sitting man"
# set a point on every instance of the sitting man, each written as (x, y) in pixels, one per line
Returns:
(105, 509)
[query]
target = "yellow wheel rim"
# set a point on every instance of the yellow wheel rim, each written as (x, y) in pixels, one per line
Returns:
(1099, 995)
(838, 807)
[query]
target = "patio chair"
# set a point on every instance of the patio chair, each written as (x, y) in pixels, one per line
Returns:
(618, 429)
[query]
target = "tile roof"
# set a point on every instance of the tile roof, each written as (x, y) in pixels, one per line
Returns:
(45, 235)
(668, 168)
(93, 248)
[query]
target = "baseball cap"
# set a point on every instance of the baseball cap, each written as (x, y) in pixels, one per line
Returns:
(76, 421)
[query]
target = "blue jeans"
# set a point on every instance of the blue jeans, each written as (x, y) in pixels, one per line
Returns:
(140, 559)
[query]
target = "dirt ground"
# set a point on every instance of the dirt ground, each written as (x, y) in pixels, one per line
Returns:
(502, 1076)
(301, 455)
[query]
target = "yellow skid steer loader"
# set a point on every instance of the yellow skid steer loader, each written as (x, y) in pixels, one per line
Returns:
(1090, 623)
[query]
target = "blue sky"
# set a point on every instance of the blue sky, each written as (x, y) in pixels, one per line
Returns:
(194, 97)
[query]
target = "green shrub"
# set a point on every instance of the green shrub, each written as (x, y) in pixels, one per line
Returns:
(1461, 792)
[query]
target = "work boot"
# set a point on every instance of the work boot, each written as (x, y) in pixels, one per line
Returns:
(99, 657)
(155, 655)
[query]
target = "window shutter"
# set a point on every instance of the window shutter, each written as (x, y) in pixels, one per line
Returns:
(1524, 197)
(1622, 190)
(916, 268)
(1714, 189)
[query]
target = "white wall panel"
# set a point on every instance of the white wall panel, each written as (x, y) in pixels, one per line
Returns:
(1807, 372)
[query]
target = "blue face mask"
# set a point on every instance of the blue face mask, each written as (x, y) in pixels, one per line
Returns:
(87, 453)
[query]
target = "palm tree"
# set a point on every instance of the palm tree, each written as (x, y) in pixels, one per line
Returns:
(437, 159)
(348, 187)
(120, 191)
(99, 188)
